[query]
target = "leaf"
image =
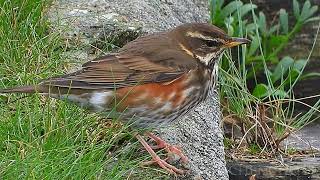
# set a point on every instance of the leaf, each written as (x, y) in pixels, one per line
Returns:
(273, 29)
(228, 23)
(251, 27)
(292, 76)
(230, 8)
(260, 91)
(296, 9)
(305, 10)
(310, 75)
(254, 45)
(299, 64)
(282, 68)
(246, 8)
(220, 3)
(295, 71)
(273, 59)
(313, 10)
(279, 93)
(262, 23)
(284, 21)
(230, 31)
(244, 23)
(229, 20)
(317, 18)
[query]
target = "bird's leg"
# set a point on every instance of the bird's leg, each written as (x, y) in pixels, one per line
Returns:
(162, 163)
(171, 149)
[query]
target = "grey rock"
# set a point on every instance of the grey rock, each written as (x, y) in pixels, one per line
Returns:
(306, 138)
(90, 23)
(302, 168)
(201, 138)
(87, 25)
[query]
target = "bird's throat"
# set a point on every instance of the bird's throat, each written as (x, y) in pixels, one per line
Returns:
(210, 59)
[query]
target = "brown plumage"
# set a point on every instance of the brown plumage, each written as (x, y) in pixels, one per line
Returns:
(157, 79)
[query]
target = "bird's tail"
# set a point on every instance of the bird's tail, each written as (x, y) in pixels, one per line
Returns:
(20, 89)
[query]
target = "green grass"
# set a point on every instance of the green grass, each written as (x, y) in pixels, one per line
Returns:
(264, 121)
(42, 138)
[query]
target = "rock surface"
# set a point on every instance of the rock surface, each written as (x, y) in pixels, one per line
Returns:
(88, 24)
(305, 139)
(85, 24)
(302, 168)
(202, 140)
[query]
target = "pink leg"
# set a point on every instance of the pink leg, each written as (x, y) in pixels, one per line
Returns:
(162, 163)
(169, 148)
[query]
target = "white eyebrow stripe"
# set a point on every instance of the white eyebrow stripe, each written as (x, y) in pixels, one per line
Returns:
(196, 34)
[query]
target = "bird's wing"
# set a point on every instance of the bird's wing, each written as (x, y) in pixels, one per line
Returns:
(139, 62)
(117, 70)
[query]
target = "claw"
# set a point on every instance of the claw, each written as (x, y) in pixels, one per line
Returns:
(171, 149)
(156, 159)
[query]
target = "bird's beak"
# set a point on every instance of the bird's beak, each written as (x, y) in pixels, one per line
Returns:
(237, 41)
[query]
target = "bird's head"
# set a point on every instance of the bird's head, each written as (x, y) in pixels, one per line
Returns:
(204, 42)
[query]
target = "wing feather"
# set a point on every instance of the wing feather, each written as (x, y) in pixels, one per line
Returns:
(136, 63)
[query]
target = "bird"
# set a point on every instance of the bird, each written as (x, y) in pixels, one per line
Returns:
(151, 81)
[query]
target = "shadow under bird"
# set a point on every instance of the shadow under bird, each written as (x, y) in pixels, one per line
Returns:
(157, 79)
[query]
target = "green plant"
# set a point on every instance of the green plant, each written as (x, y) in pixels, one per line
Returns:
(266, 108)
(254, 149)
(272, 39)
(41, 138)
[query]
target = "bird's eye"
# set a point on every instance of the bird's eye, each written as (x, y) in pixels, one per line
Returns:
(212, 43)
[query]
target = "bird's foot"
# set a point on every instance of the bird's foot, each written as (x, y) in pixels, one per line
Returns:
(171, 149)
(156, 159)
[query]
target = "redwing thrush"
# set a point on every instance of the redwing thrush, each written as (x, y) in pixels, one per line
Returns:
(157, 79)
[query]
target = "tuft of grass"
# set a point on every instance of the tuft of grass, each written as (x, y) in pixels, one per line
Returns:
(265, 115)
(42, 138)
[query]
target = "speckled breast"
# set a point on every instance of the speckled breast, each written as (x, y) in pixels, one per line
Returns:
(157, 104)
(150, 105)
